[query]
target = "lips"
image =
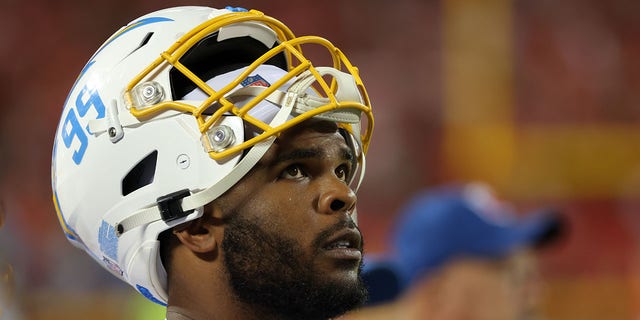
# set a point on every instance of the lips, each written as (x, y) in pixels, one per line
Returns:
(344, 240)
(340, 245)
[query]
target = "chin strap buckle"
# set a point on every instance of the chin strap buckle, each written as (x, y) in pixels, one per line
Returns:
(170, 205)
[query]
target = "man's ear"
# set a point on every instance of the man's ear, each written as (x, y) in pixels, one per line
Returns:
(198, 235)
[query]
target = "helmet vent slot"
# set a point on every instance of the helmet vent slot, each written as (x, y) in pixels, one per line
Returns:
(141, 174)
(144, 41)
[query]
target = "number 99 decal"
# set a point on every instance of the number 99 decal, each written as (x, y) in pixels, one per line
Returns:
(72, 129)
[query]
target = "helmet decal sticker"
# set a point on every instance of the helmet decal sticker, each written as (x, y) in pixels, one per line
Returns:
(112, 266)
(147, 294)
(255, 81)
(72, 130)
(108, 240)
(236, 9)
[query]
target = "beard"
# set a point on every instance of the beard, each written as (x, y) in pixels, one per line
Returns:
(272, 272)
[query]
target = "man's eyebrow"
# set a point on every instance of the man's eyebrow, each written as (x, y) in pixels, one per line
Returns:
(298, 154)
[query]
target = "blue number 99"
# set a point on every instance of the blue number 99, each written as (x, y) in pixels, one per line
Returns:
(72, 129)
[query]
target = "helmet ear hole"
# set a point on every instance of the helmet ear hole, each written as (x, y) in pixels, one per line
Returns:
(141, 174)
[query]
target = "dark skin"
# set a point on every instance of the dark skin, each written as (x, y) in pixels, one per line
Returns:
(298, 190)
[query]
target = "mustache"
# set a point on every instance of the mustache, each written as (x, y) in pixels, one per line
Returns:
(327, 233)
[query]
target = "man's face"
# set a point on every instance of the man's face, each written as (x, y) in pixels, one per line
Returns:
(290, 246)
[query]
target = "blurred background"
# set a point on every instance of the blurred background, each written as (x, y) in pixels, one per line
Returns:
(539, 98)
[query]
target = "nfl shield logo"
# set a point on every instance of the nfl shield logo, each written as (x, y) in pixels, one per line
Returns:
(255, 81)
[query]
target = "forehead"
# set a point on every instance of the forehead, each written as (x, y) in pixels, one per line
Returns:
(321, 136)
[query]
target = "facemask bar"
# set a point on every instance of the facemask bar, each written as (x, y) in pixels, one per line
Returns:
(290, 45)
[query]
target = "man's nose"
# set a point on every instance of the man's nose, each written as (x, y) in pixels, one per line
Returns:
(336, 197)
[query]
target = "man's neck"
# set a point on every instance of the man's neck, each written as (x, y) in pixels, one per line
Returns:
(181, 313)
(177, 313)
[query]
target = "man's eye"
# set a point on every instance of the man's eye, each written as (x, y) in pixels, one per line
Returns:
(292, 172)
(342, 172)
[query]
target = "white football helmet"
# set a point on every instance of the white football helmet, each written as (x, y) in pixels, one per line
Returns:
(173, 110)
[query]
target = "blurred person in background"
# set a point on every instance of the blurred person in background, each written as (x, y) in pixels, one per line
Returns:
(204, 160)
(460, 253)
